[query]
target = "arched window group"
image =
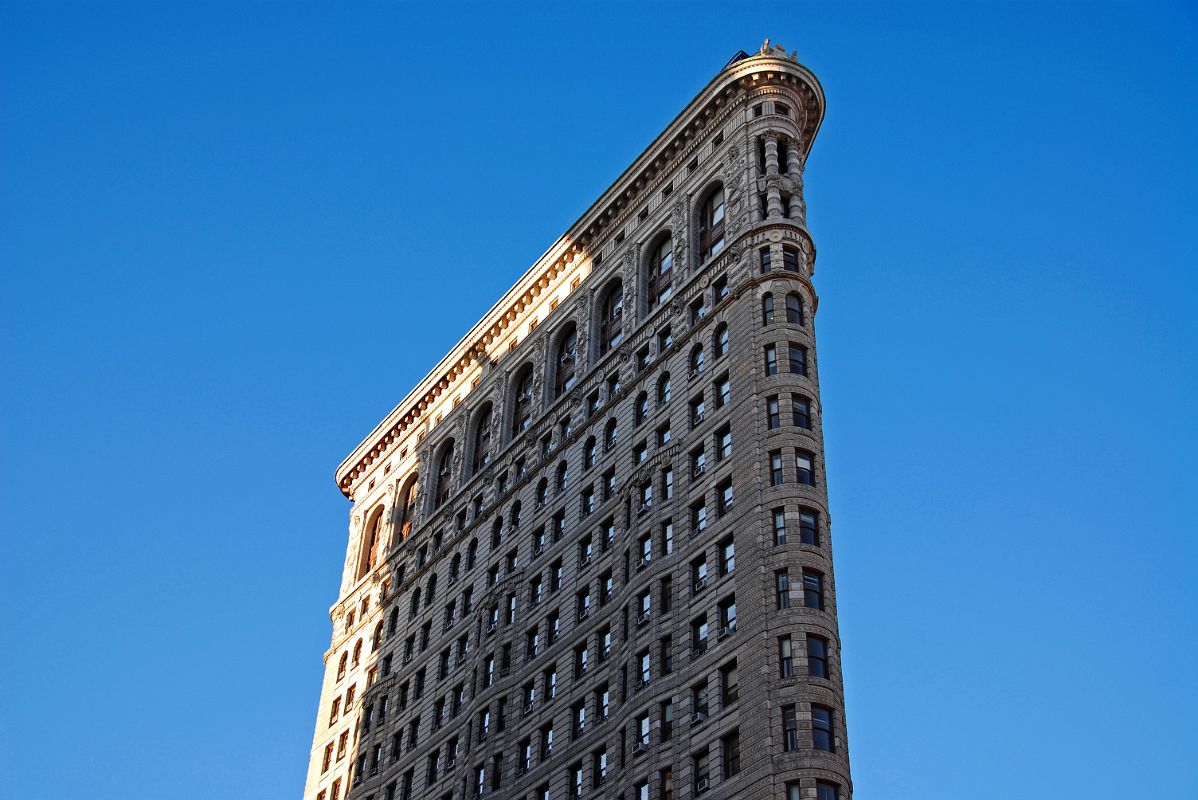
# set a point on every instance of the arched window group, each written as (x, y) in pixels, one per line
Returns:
(371, 542)
(407, 507)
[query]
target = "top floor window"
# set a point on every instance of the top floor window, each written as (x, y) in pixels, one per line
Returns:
(444, 468)
(611, 319)
(566, 359)
(711, 224)
(660, 268)
(522, 402)
(482, 440)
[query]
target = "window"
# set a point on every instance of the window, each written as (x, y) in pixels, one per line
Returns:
(763, 258)
(728, 616)
(730, 754)
(817, 656)
(723, 391)
(809, 526)
(598, 767)
(711, 224)
(804, 466)
(794, 309)
(821, 728)
(698, 462)
(790, 729)
(772, 417)
(775, 468)
(522, 401)
(667, 483)
(798, 359)
(444, 468)
(782, 589)
(771, 359)
(611, 318)
(667, 720)
(611, 435)
(698, 410)
(698, 518)
(546, 742)
(779, 517)
(727, 556)
(699, 636)
(701, 766)
(724, 497)
(720, 348)
(663, 389)
(567, 354)
(826, 791)
(800, 410)
(661, 262)
(790, 259)
(663, 435)
(813, 589)
(641, 410)
(697, 361)
(698, 310)
(786, 664)
(723, 442)
(482, 440)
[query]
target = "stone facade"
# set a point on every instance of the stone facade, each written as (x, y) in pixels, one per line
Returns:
(589, 554)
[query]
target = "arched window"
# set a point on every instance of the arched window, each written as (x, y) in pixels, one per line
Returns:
(663, 389)
(660, 268)
(497, 533)
(393, 620)
(697, 360)
(610, 435)
(563, 476)
(711, 224)
(415, 606)
(567, 356)
(407, 507)
(522, 401)
(371, 540)
(444, 478)
(342, 665)
(357, 653)
(430, 590)
(515, 515)
(482, 440)
(611, 318)
(471, 554)
(589, 452)
(377, 639)
(767, 309)
(642, 408)
(720, 347)
(794, 309)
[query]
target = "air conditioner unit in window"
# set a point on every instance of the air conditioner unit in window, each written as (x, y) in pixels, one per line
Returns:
(528, 707)
(492, 627)
(699, 716)
(727, 630)
(701, 786)
(640, 746)
(536, 551)
(699, 470)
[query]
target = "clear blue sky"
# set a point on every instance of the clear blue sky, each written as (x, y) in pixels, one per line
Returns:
(225, 232)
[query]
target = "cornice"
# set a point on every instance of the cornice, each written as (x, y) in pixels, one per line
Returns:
(769, 67)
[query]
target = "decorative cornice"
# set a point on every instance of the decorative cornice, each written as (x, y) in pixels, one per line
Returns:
(771, 67)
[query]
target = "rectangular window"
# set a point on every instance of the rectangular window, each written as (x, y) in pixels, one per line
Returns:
(813, 589)
(821, 729)
(809, 526)
(782, 589)
(817, 656)
(763, 258)
(790, 729)
(775, 468)
(771, 359)
(800, 412)
(723, 443)
(786, 664)
(798, 359)
(723, 391)
(805, 467)
(730, 754)
(779, 515)
(773, 418)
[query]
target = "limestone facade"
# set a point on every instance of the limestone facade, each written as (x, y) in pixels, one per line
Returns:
(590, 554)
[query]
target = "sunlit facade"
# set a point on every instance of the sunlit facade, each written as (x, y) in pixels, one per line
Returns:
(589, 554)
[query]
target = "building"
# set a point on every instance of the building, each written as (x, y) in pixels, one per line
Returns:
(589, 553)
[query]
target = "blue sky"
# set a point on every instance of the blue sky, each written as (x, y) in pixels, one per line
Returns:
(220, 227)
